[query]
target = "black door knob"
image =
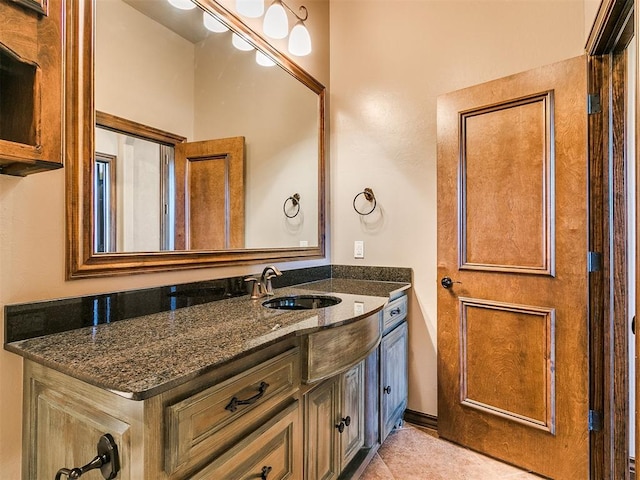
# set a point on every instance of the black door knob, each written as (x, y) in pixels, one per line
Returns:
(446, 282)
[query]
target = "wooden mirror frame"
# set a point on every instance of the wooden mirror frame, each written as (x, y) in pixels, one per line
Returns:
(80, 119)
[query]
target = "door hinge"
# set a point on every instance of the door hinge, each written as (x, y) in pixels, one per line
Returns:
(595, 421)
(593, 103)
(594, 262)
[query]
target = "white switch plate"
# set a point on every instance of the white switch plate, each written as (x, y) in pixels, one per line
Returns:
(358, 308)
(304, 243)
(358, 249)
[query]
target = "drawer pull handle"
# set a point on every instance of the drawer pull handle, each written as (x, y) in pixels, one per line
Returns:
(387, 389)
(395, 311)
(265, 473)
(235, 402)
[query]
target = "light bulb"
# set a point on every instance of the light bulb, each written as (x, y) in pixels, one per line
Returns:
(240, 43)
(183, 4)
(276, 24)
(213, 24)
(299, 40)
(263, 60)
(250, 8)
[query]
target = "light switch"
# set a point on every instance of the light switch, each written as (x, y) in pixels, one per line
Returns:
(358, 249)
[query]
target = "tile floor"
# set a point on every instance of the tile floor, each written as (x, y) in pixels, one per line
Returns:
(414, 453)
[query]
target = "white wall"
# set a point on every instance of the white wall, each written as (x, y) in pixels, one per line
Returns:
(390, 59)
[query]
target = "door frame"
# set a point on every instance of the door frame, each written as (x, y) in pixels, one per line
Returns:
(608, 343)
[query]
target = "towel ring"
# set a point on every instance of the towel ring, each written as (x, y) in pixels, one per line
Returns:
(370, 197)
(295, 200)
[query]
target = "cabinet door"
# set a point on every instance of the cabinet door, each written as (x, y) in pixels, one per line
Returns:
(65, 432)
(321, 445)
(393, 378)
(352, 412)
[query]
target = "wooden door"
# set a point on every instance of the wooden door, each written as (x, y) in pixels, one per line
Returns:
(210, 194)
(513, 371)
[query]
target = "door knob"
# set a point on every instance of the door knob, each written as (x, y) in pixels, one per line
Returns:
(446, 282)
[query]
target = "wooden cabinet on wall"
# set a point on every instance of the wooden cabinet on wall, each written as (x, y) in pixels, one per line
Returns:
(334, 419)
(31, 88)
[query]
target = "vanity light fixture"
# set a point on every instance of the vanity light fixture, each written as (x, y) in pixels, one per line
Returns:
(276, 25)
(240, 43)
(250, 8)
(183, 4)
(263, 60)
(212, 24)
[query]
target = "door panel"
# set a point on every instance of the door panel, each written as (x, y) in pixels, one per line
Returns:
(210, 194)
(512, 228)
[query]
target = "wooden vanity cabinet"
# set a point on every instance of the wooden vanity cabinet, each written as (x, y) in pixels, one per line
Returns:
(393, 367)
(31, 88)
(334, 421)
(190, 431)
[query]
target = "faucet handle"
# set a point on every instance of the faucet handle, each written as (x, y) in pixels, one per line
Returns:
(255, 286)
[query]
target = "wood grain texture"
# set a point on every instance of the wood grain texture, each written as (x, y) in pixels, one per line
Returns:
(334, 350)
(507, 361)
(565, 454)
(505, 194)
(321, 442)
(353, 391)
(34, 40)
(272, 446)
(394, 384)
(195, 425)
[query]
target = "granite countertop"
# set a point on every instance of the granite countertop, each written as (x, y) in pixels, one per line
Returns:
(144, 356)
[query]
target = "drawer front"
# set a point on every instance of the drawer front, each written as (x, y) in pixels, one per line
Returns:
(201, 425)
(273, 452)
(394, 313)
(334, 350)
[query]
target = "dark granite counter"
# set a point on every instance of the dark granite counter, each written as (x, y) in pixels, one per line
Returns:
(144, 356)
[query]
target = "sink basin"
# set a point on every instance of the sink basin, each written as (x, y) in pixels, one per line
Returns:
(301, 302)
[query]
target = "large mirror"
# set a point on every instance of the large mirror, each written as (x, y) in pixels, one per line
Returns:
(183, 150)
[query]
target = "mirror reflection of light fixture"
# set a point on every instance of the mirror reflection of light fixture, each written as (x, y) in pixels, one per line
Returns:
(250, 8)
(240, 43)
(276, 25)
(212, 24)
(183, 4)
(263, 60)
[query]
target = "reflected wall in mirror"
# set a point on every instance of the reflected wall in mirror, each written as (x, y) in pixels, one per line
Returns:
(132, 203)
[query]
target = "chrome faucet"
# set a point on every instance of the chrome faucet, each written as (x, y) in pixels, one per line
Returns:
(261, 287)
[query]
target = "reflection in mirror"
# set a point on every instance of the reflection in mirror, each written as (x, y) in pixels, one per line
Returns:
(159, 67)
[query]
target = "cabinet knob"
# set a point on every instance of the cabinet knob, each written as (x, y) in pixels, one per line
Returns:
(340, 427)
(347, 420)
(387, 389)
(265, 472)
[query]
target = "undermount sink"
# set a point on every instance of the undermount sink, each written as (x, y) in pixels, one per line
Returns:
(301, 302)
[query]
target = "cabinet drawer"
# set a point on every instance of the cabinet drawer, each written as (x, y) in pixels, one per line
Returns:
(394, 313)
(272, 452)
(334, 350)
(200, 426)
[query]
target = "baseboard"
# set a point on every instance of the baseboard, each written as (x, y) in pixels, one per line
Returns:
(632, 468)
(421, 419)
